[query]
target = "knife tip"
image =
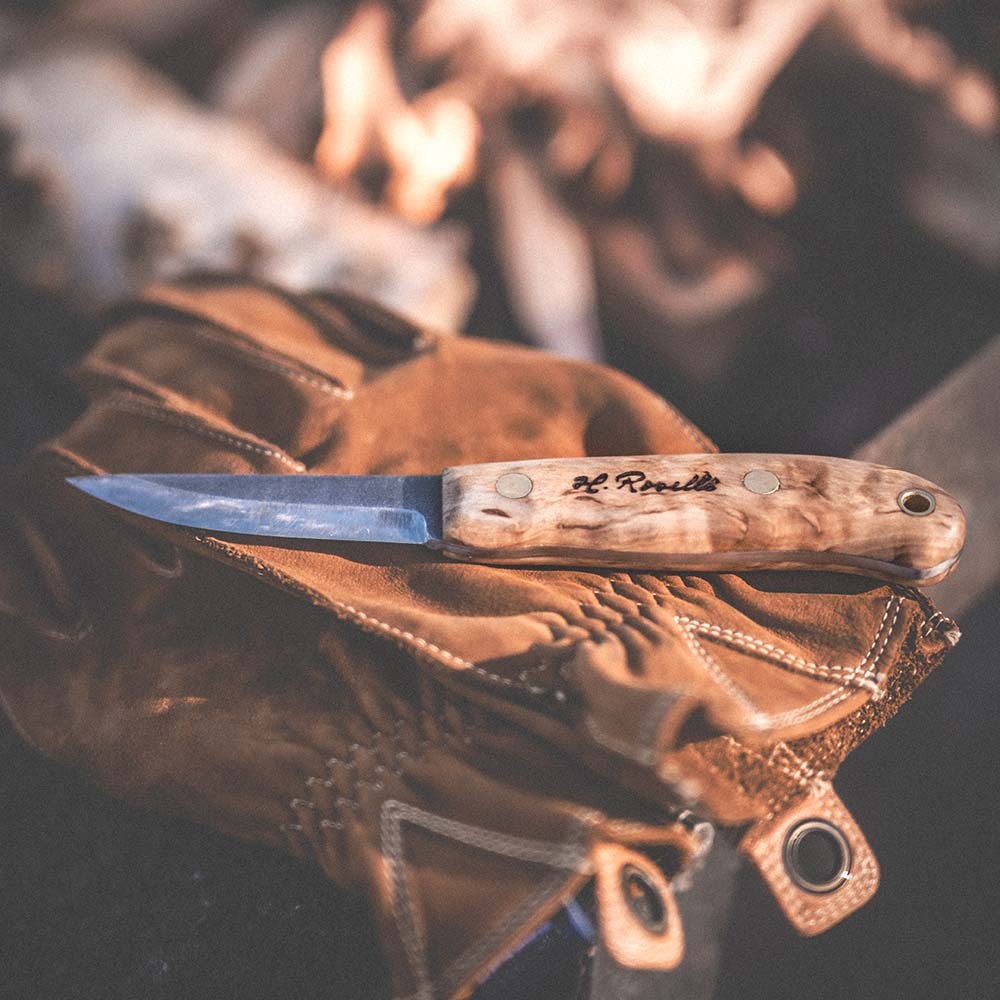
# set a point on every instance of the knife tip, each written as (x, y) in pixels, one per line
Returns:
(85, 483)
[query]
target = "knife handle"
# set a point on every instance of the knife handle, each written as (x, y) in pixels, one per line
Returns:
(704, 513)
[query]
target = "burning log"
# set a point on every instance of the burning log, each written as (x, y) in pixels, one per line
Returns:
(581, 92)
(688, 74)
(114, 179)
(429, 145)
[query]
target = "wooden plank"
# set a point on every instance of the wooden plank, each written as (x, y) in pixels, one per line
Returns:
(952, 437)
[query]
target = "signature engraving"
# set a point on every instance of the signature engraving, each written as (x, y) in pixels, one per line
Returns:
(636, 481)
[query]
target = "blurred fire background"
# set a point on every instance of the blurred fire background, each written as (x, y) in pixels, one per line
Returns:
(782, 214)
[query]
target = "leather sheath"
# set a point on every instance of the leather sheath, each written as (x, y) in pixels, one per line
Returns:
(468, 744)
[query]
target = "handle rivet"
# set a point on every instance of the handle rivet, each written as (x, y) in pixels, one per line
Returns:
(916, 503)
(514, 485)
(761, 481)
(817, 856)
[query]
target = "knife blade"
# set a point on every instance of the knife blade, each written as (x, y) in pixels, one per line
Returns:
(701, 513)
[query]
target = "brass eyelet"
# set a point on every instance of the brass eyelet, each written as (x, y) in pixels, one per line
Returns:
(817, 856)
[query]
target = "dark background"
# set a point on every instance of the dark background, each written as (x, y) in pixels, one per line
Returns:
(98, 900)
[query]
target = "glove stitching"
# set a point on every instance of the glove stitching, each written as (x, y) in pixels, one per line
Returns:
(438, 651)
(643, 754)
(798, 771)
(769, 650)
(415, 644)
(841, 693)
(721, 678)
(793, 767)
(699, 437)
(816, 708)
(811, 710)
(569, 856)
(134, 405)
(232, 340)
(640, 750)
(397, 754)
(253, 356)
(938, 623)
(804, 712)
(734, 637)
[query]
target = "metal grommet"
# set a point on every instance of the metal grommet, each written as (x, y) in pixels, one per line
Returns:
(644, 899)
(761, 481)
(514, 485)
(916, 503)
(817, 856)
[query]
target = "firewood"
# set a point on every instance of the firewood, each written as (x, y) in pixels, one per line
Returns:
(144, 24)
(546, 260)
(951, 187)
(121, 180)
(586, 90)
(272, 80)
(429, 145)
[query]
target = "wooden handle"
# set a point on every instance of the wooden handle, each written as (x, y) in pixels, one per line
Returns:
(704, 513)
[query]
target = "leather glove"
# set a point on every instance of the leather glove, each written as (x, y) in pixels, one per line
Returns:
(469, 744)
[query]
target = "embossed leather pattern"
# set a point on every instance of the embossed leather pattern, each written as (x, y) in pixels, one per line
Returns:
(470, 744)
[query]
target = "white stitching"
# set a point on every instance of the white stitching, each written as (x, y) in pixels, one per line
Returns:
(392, 768)
(700, 438)
(128, 403)
(249, 353)
(848, 675)
(623, 747)
(803, 774)
(758, 718)
(841, 693)
(852, 894)
(439, 651)
(639, 750)
(938, 622)
(816, 707)
(806, 712)
(567, 856)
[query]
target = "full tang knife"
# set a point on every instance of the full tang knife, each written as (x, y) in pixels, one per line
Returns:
(697, 513)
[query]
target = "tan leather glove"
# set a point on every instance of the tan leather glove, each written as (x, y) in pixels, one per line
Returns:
(468, 743)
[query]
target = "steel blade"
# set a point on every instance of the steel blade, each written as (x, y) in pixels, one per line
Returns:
(405, 509)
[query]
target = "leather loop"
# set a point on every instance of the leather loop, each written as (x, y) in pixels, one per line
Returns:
(813, 901)
(639, 920)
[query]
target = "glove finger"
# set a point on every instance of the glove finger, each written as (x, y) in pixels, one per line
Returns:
(274, 378)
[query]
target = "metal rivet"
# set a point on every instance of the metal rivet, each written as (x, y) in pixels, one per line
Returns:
(817, 856)
(514, 485)
(644, 899)
(916, 503)
(761, 481)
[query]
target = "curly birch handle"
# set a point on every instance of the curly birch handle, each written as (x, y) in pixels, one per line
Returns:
(704, 513)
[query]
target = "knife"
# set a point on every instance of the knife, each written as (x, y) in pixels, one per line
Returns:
(697, 513)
